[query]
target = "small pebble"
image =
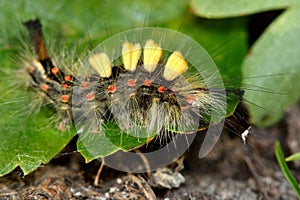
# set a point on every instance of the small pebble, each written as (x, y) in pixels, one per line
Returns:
(119, 181)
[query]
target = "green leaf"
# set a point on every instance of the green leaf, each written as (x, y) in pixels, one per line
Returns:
(123, 140)
(26, 140)
(274, 60)
(285, 170)
(106, 142)
(95, 145)
(293, 157)
(234, 8)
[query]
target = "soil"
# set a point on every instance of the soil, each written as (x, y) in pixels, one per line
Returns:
(232, 170)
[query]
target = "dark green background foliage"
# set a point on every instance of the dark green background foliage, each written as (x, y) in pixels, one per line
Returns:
(270, 67)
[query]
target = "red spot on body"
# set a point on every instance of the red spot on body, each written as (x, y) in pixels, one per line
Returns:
(54, 70)
(65, 98)
(84, 84)
(67, 78)
(190, 99)
(174, 89)
(147, 82)
(161, 89)
(44, 87)
(65, 86)
(111, 88)
(131, 82)
(90, 96)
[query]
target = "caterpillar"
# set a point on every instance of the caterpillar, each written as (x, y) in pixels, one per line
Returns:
(151, 82)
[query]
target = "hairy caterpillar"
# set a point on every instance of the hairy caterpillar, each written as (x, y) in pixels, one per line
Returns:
(150, 82)
(158, 78)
